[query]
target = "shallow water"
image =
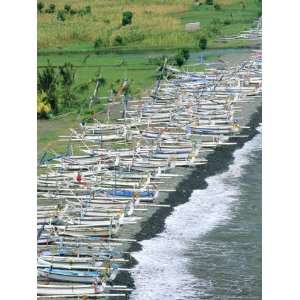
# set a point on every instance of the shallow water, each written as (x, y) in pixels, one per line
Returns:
(211, 245)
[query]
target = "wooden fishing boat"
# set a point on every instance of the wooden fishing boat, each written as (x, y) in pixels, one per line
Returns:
(75, 275)
(76, 290)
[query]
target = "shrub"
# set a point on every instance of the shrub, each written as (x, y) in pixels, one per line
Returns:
(209, 2)
(203, 43)
(259, 13)
(185, 53)
(216, 21)
(40, 6)
(88, 10)
(179, 59)
(52, 8)
(227, 22)
(67, 75)
(61, 16)
(118, 40)
(214, 30)
(83, 87)
(43, 107)
(159, 61)
(67, 79)
(47, 84)
(67, 8)
(81, 12)
(197, 3)
(98, 43)
(217, 7)
(73, 12)
(214, 27)
(127, 18)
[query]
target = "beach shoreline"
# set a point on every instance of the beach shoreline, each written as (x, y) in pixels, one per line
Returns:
(153, 221)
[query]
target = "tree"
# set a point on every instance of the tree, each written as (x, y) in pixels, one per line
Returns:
(67, 8)
(61, 16)
(259, 13)
(98, 43)
(179, 60)
(52, 8)
(88, 10)
(47, 84)
(118, 40)
(127, 18)
(203, 43)
(67, 79)
(217, 7)
(73, 12)
(40, 6)
(185, 53)
(209, 2)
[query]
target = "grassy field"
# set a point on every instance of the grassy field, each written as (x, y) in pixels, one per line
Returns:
(135, 67)
(156, 23)
(112, 66)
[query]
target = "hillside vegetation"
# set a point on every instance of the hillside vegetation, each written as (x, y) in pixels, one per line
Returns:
(76, 24)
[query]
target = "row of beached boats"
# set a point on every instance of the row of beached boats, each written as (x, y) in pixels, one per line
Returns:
(252, 34)
(120, 169)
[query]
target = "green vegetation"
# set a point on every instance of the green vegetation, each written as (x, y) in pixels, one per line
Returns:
(98, 43)
(47, 86)
(50, 9)
(203, 43)
(67, 8)
(69, 82)
(149, 24)
(209, 2)
(40, 6)
(217, 7)
(127, 18)
(61, 15)
(185, 53)
(118, 41)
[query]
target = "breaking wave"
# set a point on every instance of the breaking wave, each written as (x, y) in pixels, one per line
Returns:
(162, 270)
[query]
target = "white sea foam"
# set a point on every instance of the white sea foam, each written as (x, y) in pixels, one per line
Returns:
(162, 269)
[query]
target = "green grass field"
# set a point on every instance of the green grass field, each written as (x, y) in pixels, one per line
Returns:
(112, 66)
(156, 24)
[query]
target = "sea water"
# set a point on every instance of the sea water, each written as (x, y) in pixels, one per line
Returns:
(211, 245)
